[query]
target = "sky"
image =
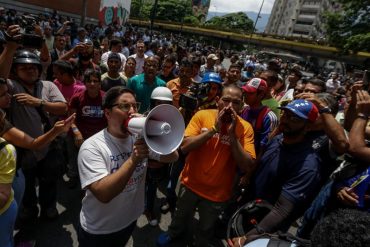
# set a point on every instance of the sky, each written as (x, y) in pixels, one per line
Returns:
(241, 5)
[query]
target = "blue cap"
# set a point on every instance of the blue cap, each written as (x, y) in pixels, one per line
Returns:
(211, 77)
(303, 109)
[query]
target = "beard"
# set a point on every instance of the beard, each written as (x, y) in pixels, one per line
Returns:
(288, 132)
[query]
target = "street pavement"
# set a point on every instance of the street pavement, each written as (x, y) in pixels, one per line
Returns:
(62, 231)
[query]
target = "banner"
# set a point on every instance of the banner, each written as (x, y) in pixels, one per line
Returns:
(114, 11)
(200, 9)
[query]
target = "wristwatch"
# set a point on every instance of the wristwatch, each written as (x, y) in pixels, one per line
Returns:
(325, 109)
(42, 103)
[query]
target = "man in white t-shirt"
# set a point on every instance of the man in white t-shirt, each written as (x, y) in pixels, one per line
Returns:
(112, 166)
(139, 57)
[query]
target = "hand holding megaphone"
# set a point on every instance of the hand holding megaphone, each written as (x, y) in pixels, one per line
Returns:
(140, 151)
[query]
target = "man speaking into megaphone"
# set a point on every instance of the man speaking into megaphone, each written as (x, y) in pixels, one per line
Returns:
(112, 166)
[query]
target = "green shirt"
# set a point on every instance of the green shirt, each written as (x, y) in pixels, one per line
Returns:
(143, 90)
(273, 105)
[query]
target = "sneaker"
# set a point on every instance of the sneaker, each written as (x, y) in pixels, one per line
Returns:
(152, 220)
(164, 240)
(50, 213)
(166, 207)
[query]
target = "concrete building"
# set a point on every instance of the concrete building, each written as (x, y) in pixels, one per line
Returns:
(299, 18)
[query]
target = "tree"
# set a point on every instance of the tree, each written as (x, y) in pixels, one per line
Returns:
(237, 22)
(167, 10)
(349, 30)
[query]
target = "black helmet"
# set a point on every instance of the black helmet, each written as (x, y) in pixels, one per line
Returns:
(26, 57)
(247, 217)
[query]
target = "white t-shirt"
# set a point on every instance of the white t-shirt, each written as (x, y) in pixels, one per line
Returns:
(139, 63)
(99, 156)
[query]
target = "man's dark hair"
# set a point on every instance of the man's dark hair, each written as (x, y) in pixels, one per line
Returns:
(186, 62)
(196, 60)
(271, 76)
(235, 66)
(296, 72)
(342, 228)
(172, 58)
(92, 72)
(112, 94)
(331, 101)
(319, 83)
(64, 67)
(114, 42)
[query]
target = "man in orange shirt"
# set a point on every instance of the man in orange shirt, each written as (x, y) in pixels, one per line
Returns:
(217, 142)
(181, 84)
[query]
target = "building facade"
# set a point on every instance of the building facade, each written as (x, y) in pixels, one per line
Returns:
(299, 18)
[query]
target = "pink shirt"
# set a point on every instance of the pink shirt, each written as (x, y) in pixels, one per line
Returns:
(69, 90)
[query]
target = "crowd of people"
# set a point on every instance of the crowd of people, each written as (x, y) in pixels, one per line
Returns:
(260, 127)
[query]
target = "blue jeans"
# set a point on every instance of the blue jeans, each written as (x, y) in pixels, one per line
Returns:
(116, 239)
(18, 186)
(7, 220)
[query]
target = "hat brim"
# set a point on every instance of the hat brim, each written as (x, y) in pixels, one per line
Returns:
(294, 111)
(249, 89)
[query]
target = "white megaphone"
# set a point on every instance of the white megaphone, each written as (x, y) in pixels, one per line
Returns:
(162, 129)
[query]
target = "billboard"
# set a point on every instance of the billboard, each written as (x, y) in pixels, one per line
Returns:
(114, 11)
(200, 9)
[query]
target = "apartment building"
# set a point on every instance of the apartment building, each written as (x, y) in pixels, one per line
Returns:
(299, 18)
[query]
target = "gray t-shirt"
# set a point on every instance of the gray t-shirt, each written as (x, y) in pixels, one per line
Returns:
(26, 118)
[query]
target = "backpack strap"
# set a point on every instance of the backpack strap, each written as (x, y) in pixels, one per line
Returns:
(261, 116)
(3, 144)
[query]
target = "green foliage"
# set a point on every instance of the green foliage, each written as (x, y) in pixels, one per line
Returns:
(237, 22)
(181, 11)
(167, 10)
(349, 29)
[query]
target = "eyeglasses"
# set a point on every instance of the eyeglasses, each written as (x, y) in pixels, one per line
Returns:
(127, 106)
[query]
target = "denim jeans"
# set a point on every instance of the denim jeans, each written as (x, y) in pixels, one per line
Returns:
(7, 220)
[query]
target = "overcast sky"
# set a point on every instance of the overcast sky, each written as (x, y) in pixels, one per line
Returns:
(240, 5)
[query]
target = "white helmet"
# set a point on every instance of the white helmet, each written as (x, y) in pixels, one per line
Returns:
(162, 93)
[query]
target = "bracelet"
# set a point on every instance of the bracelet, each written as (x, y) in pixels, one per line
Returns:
(214, 129)
(363, 116)
(75, 130)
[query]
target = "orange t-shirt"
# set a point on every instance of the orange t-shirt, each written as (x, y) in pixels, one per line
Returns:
(177, 90)
(210, 170)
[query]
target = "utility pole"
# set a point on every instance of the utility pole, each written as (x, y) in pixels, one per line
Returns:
(153, 15)
(255, 23)
(84, 11)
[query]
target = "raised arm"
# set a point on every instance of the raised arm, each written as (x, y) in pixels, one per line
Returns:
(13, 33)
(357, 144)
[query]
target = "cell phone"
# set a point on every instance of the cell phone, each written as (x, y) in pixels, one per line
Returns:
(69, 119)
(365, 79)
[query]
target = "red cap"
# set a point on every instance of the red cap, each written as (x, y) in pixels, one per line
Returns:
(254, 85)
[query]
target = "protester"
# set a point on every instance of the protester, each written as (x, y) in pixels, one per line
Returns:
(112, 167)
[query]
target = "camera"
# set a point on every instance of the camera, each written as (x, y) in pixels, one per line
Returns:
(196, 94)
(29, 38)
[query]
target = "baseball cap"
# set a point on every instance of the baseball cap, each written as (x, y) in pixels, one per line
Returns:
(212, 56)
(114, 55)
(254, 85)
(303, 109)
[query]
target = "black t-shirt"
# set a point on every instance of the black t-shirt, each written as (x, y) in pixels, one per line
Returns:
(107, 83)
(5, 127)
